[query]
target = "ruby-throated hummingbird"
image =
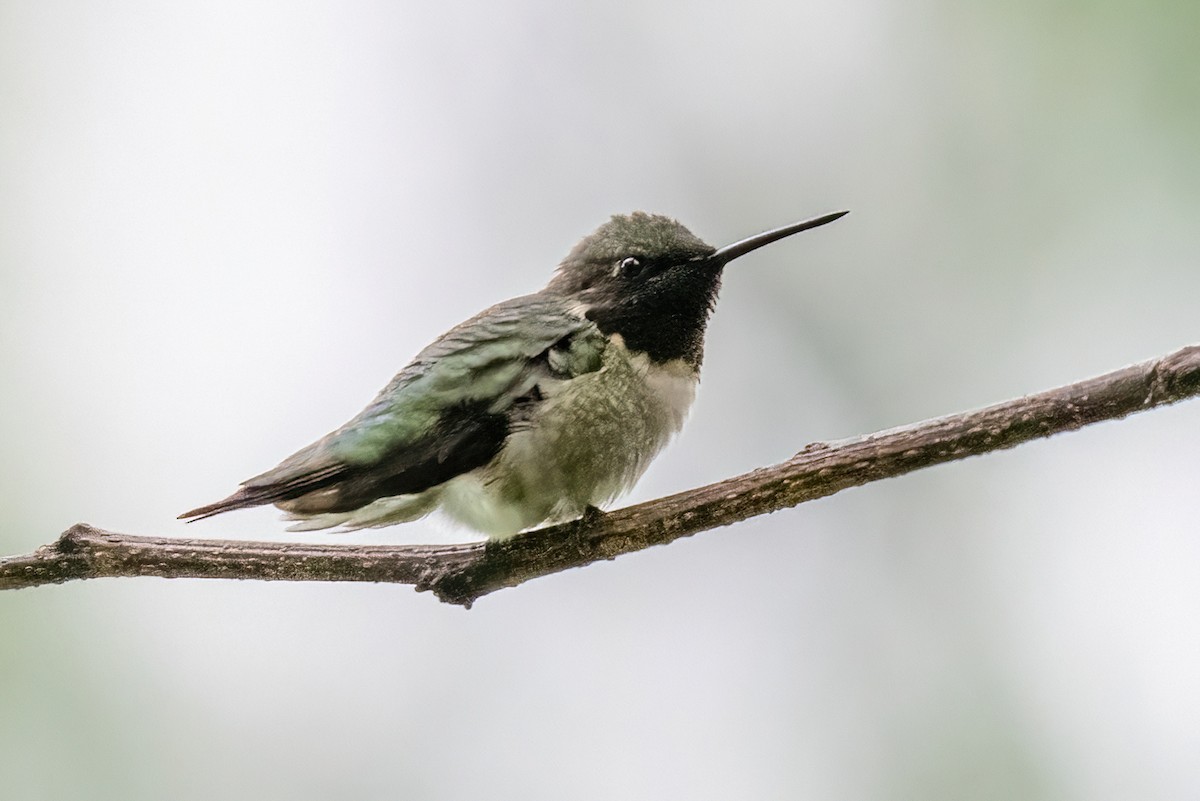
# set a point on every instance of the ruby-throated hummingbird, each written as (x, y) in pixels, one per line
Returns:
(534, 410)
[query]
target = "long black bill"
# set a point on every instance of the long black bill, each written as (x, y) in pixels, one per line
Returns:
(731, 252)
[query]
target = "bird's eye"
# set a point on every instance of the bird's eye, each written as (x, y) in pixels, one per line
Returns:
(630, 267)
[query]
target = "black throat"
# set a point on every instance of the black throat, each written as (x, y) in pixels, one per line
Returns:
(666, 321)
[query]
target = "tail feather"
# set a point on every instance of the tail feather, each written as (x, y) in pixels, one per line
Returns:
(242, 499)
(266, 489)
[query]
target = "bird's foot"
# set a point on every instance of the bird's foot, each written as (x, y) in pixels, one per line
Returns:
(579, 537)
(591, 516)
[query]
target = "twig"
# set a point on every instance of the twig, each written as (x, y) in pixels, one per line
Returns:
(461, 574)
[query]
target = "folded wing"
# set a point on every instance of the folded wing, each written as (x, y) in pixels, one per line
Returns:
(447, 413)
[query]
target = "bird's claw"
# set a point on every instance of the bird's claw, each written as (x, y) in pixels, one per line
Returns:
(591, 515)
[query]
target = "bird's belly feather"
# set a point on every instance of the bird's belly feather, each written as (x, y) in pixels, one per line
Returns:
(589, 440)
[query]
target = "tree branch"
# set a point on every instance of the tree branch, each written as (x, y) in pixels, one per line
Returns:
(461, 574)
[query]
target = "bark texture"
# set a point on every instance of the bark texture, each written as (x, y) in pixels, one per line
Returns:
(461, 574)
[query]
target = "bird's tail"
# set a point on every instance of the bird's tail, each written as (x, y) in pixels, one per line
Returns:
(242, 499)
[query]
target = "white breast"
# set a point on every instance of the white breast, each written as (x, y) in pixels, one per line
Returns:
(675, 385)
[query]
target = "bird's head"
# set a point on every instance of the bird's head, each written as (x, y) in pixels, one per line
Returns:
(652, 281)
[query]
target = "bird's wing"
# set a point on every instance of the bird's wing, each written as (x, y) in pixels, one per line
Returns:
(445, 414)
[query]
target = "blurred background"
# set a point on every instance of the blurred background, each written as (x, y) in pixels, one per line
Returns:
(226, 225)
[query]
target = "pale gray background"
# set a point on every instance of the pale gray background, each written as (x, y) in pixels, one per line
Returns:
(226, 224)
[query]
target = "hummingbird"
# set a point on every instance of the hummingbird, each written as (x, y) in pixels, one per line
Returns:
(536, 410)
